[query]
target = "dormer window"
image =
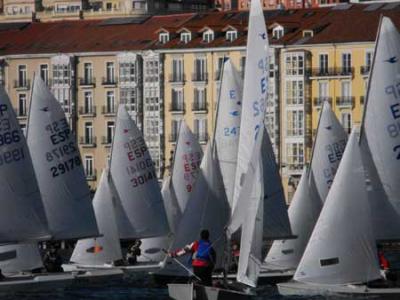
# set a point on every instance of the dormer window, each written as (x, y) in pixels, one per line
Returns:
(278, 32)
(185, 37)
(163, 37)
(231, 35)
(208, 36)
(308, 33)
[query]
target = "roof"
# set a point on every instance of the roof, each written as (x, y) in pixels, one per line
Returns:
(330, 25)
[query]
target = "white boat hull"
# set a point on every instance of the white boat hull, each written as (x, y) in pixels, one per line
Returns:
(199, 292)
(362, 291)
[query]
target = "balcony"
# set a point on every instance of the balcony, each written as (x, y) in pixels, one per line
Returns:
(87, 141)
(177, 108)
(200, 77)
(87, 111)
(20, 112)
(173, 137)
(91, 175)
(109, 110)
(88, 82)
(318, 101)
(109, 81)
(345, 101)
(331, 72)
(199, 106)
(364, 70)
(22, 84)
(202, 137)
(106, 140)
(177, 78)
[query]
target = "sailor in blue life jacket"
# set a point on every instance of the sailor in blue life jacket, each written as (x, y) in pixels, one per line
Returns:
(203, 257)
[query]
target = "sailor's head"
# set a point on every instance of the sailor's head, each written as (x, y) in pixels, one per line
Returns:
(204, 234)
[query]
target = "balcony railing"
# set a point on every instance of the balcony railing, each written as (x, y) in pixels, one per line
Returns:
(200, 77)
(22, 84)
(329, 72)
(88, 141)
(318, 101)
(177, 107)
(109, 109)
(345, 101)
(106, 140)
(87, 81)
(87, 110)
(20, 111)
(173, 137)
(202, 137)
(199, 106)
(364, 70)
(109, 80)
(177, 77)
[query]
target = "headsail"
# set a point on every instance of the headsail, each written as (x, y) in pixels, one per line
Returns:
(228, 125)
(58, 167)
(254, 94)
(342, 247)
(19, 258)
(22, 216)
(104, 249)
(381, 131)
(135, 181)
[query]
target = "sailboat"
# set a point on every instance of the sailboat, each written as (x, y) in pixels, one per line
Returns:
(253, 199)
(176, 190)
(284, 256)
(335, 262)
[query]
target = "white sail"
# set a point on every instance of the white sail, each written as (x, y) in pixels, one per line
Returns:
(187, 159)
(342, 247)
(104, 249)
(381, 127)
(254, 93)
(171, 204)
(134, 178)
(22, 216)
(228, 125)
(328, 150)
(207, 208)
(307, 202)
(58, 167)
(19, 258)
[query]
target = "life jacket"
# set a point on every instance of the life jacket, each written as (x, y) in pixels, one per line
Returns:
(202, 255)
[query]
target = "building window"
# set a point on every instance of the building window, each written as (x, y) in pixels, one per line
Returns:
(88, 73)
(208, 36)
(200, 99)
(22, 77)
(295, 123)
(88, 103)
(110, 72)
(220, 64)
(346, 88)
(200, 129)
(175, 124)
(294, 92)
(44, 73)
(346, 120)
(61, 75)
(295, 156)
(128, 97)
(151, 71)
(163, 37)
(110, 131)
(294, 64)
(21, 105)
(177, 70)
(89, 165)
(177, 100)
(277, 32)
(110, 102)
(88, 138)
(346, 63)
(323, 89)
(127, 72)
(186, 37)
(200, 69)
(368, 62)
(231, 35)
(323, 63)
(242, 65)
